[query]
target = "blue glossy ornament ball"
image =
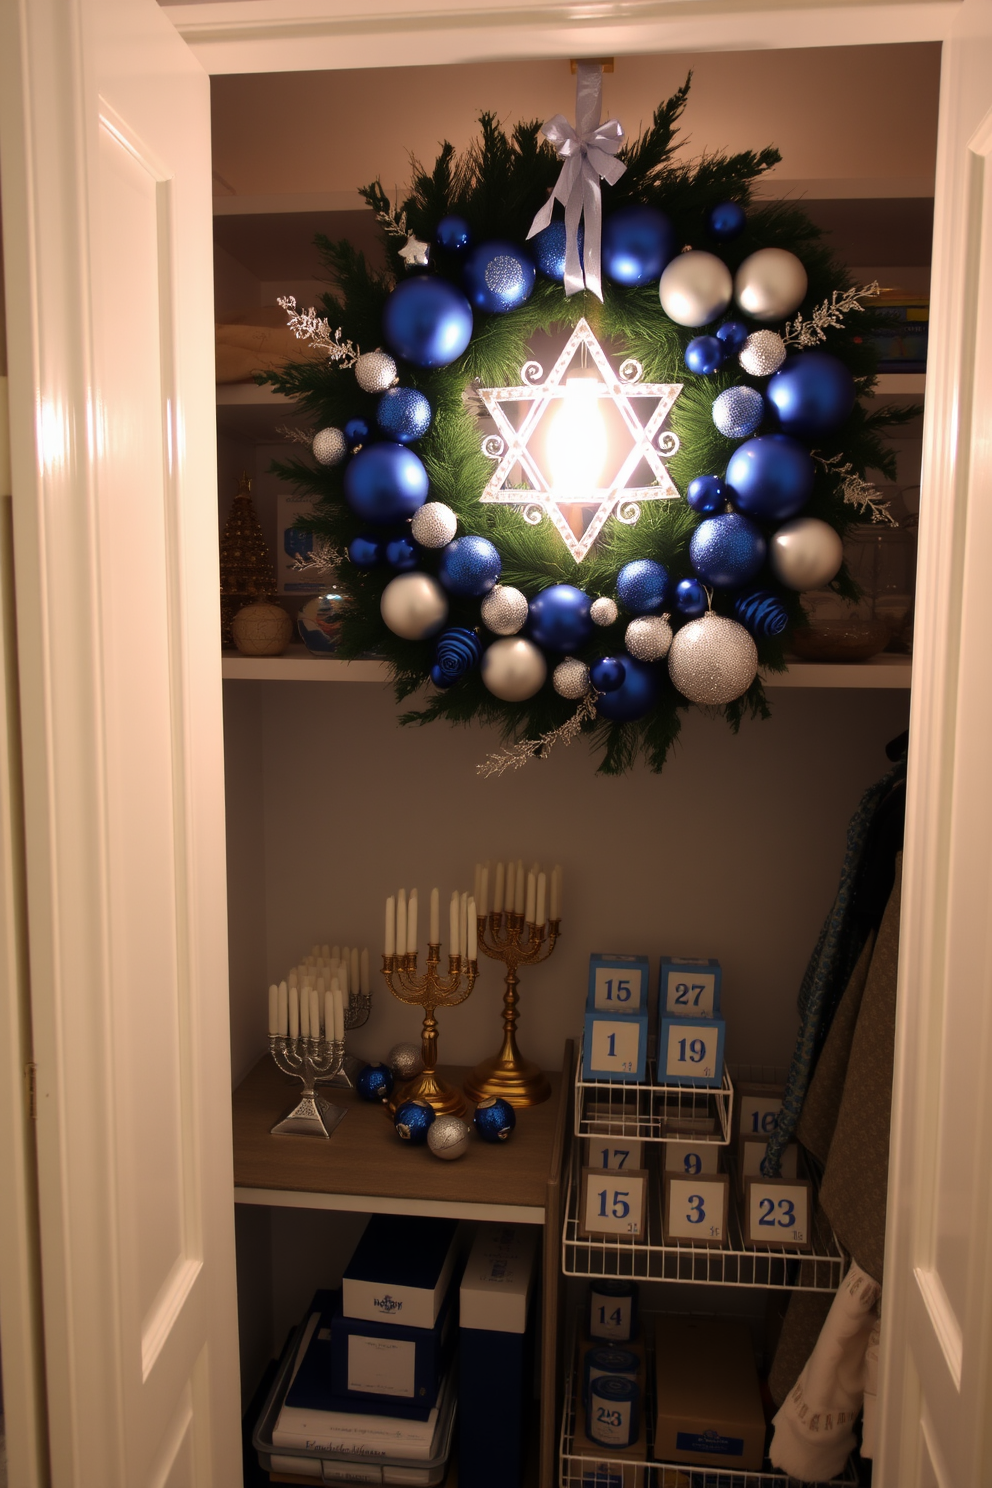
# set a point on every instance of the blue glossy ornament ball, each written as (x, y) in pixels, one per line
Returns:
(453, 234)
(494, 1119)
(771, 477)
(761, 612)
(738, 412)
(641, 586)
(726, 220)
(548, 248)
(812, 394)
(385, 483)
(690, 599)
(427, 321)
(707, 494)
(608, 674)
(469, 566)
(498, 277)
(412, 1121)
(727, 551)
(558, 618)
(704, 355)
(357, 432)
(457, 653)
(375, 1082)
(401, 554)
(637, 696)
(365, 551)
(638, 242)
(403, 414)
(733, 334)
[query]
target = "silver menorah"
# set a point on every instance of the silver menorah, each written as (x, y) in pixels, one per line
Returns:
(309, 1060)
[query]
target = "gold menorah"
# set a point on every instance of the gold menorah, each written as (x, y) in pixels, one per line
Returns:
(516, 941)
(430, 992)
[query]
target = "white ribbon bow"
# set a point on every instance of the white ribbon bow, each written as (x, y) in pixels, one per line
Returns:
(588, 153)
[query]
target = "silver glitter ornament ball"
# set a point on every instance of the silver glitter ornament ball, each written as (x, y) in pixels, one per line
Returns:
(648, 637)
(405, 1061)
(571, 678)
(375, 371)
(433, 525)
(695, 288)
(603, 611)
(770, 284)
(762, 353)
(329, 446)
(504, 610)
(447, 1137)
(713, 660)
(414, 606)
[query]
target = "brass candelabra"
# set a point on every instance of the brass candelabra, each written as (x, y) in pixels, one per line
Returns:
(430, 992)
(515, 941)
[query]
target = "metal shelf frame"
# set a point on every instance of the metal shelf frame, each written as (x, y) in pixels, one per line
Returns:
(651, 1112)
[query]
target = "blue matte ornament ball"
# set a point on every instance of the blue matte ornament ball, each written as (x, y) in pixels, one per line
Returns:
(690, 599)
(726, 220)
(707, 494)
(727, 551)
(558, 618)
(704, 355)
(357, 432)
(772, 477)
(458, 652)
(638, 242)
(401, 554)
(427, 321)
(812, 394)
(637, 696)
(413, 1119)
(365, 551)
(494, 1119)
(738, 411)
(403, 414)
(385, 483)
(375, 1082)
(733, 334)
(453, 234)
(498, 277)
(469, 566)
(641, 586)
(548, 248)
(609, 673)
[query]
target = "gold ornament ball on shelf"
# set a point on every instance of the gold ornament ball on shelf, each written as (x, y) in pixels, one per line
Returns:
(261, 629)
(246, 570)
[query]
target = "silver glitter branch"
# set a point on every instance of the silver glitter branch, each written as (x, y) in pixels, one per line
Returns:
(829, 316)
(515, 756)
(297, 436)
(323, 557)
(307, 325)
(394, 223)
(859, 493)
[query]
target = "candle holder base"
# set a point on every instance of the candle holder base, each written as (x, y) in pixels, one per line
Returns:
(507, 1074)
(312, 1116)
(443, 1099)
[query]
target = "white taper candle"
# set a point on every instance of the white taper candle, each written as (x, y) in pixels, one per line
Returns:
(294, 1011)
(511, 875)
(435, 935)
(519, 888)
(453, 925)
(328, 1014)
(338, 1017)
(305, 1011)
(529, 913)
(542, 893)
(283, 1009)
(412, 916)
(463, 925)
(401, 923)
(314, 1014)
(473, 932)
(389, 948)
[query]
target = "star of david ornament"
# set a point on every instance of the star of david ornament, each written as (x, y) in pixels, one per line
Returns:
(541, 497)
(414, 253)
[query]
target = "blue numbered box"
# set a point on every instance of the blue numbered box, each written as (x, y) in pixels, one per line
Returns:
(690, 1051)
(617, 984)
(688, 988)
(616, 1046)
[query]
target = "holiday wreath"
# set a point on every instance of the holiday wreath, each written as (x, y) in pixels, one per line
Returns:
(700, 422)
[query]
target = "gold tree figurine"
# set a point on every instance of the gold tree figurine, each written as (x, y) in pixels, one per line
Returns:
(246, 570)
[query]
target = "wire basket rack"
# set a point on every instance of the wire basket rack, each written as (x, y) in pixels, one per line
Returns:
(649, 1112)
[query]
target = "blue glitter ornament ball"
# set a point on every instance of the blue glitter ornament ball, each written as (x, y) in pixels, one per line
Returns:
(453, 234)
(707, 494)
(772, 477)
(558, 618)
(427, 321)
(457, 653)
(412, 1121)
(641, 586)
(498, 277)
(608, 674)
(403, 414)
(726, 220)
(690, 599)
(733, 334)
(738, 411)
(385, 483)
(469, 566)
(548, 248)
(494, 1119)
(365, 551)
(356, 432)
(727, 551)
(638, 242)
(637, 696)
(812, 394)
(375, 1082)
(762, 613)
(401, 554)
(704, 355)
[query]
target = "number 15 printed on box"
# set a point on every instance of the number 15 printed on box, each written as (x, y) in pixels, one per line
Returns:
(612, 1203)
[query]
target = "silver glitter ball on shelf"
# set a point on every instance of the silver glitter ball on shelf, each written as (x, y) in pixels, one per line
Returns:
(712, 660)
(571, 678)
(762, 353)
(603, 611)
(405, 1061)
(329, 446)
(375, 371)
(648, 637)
(695, 288)
(504, 610)
(447, 1137)
(770, 284)
(433, 525)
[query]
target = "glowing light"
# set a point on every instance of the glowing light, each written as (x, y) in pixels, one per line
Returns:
(577, 445)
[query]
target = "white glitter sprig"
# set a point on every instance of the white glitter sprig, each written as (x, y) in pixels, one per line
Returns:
(307, 325)
(394, 223)
(322, 558)
(296, 436)
(829, 316)
(515, 756)
(859, 493)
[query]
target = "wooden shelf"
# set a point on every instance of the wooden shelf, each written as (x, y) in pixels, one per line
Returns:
(883, 671)
(903, 384)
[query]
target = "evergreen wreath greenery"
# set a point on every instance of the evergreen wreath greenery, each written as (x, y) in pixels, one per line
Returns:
(498, 185)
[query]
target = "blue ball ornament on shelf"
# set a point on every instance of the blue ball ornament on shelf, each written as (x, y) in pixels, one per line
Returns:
(385, 483)
(812, 394)
(375, 1082)
(727, 551)
(498, 277)
(726, 220)
(494, 1119)
(356, 432)
(636, 697)
(772, 477)
(469, 566)
(738, 411)
(558, 618)
(733, 334)
(641, 586)
(412, 1121)
(609, 673)
(707, 494)
(761, 612)
(403, 414)
(457, 653)
(401, 554)
(427, 321)
(690, 599)
(638, 241)
(705, 355)
(548, 248)
(365, 551)
(453, 234)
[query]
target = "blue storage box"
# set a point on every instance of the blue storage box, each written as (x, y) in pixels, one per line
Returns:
(616, 1046)
(617, 983)
(690, 1051)
(387, 1364)
(688, 987)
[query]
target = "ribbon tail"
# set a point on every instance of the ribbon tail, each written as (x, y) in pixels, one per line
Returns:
(574, 281)
(592, 217)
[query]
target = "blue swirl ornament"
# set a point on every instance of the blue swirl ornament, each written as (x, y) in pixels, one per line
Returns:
(738, 411)
(365, 551)
(707, 494)
(469, 566)
(401, 554)
(385, 483)
(494, 1119)
(690, 599)
(763, 613)
(726, 220)
(356, 432)
(641, 586)
(453, 234)
(375, 1082)
(558, 618)
(403, 414)
(427, 321)
(458, 652)
(609, 673)
(704, 355)
(637, 696)
(733, 334)
(727, 551)
(548, 248)
(413, 1120)
(772, 477)
(812, 394)
(638, 242)
(498, 277)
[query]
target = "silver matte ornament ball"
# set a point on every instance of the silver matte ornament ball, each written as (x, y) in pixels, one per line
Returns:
(571, 678)
(603, 611)
(375, 371)
(329, 446)
(504, 610)
(514, 669)
(447, 1137)
(762, 353)
(405, 1061)
(713, 660)
(770, 284)
(433, 525)
(805, 553)
(695, 288)
(414, 606)
(648, 637)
